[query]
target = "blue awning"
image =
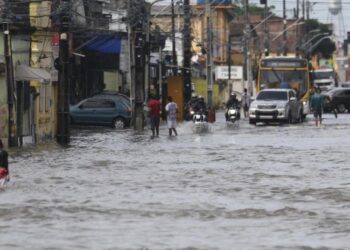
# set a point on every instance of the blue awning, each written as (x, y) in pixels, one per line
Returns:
(106, 44)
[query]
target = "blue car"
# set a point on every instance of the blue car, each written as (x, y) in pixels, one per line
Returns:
(110, 110)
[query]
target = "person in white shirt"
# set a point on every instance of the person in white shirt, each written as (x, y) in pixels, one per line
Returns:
(171, 110)
(245, 102)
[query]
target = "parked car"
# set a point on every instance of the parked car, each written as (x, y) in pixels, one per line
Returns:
(276, 105)
(345, 85)
(338, 98)
(103, 109)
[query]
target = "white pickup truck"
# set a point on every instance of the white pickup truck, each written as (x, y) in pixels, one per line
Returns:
(325, 79)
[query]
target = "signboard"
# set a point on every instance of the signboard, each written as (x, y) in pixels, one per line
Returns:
(222, 72)
(326, 64)
(283, 63)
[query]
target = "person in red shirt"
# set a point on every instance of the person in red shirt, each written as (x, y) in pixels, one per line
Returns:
(4, 165)
(154, 114)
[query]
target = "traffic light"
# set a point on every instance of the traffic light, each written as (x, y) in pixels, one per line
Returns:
(263, 1)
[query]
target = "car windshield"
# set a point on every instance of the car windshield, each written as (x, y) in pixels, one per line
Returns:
(345, 85)
(323, 74)
(272, 95)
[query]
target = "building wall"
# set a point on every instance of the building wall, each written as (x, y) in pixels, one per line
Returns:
(42, 57)
(20, 55)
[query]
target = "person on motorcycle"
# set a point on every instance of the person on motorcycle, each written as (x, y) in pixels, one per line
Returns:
(201, 108)
(232, 103)
(200, 105)
(189, 108)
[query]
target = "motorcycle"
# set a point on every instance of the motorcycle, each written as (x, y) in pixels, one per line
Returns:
(233, 114)
(200, 122)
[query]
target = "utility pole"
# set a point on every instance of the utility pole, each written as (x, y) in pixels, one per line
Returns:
(137, 16)
(148, 46)
(307, 10)
(303, 8)
(173, 37)
(247, 47)
(285, 29)
(209, 54)
(63, 129)
(229, 53)
(11, 88)
(297, 32)
(266, 32)
(187, 44)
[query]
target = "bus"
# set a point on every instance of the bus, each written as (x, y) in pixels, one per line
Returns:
(286, 72)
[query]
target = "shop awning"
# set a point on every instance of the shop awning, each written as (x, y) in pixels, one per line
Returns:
(26, 73)
(105, 44)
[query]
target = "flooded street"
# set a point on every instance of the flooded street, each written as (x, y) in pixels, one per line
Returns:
(251, 187)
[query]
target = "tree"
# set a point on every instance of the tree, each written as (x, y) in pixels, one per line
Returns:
(325, 48)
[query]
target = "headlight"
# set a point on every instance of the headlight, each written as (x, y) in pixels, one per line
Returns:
(254, 105)
(192, 112)
(281, 105)
(231, 112)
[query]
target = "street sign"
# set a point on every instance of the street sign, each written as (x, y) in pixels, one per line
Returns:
(222, 72)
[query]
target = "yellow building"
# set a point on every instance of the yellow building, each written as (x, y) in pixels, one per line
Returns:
(45, 105)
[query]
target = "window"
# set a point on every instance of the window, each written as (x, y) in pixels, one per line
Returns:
(103, 103)
(89, 104)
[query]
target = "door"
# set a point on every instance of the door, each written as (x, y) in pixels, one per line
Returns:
(85, 111)
(105, 111)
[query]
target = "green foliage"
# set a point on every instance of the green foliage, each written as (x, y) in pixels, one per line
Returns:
(313, 24)
(253, 10)
(327, 46)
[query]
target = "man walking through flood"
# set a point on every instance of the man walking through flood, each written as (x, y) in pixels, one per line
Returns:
(171, 110)
(316, 105)
(154, 114)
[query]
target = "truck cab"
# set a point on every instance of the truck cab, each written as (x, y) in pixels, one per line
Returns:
(325, 79)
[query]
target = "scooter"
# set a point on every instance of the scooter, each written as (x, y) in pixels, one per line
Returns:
(200, 122)
(233, 114)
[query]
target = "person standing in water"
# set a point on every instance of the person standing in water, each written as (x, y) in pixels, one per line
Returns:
(171, 110)
(4, 165)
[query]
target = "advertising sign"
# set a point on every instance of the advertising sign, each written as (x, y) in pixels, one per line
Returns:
(222, 72)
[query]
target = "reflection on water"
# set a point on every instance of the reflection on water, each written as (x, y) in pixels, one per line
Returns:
(246, 187)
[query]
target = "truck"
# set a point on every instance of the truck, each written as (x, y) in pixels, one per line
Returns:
(325, 79)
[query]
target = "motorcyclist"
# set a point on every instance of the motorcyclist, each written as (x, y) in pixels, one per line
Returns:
(201, 108)
(190, 106)
(232, 103)
(200, 105)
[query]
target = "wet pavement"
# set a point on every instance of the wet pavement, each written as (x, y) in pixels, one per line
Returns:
(246, 187)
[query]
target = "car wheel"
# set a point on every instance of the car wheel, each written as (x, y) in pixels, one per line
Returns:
(253, 122)
(341, 108)
(118, 123)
